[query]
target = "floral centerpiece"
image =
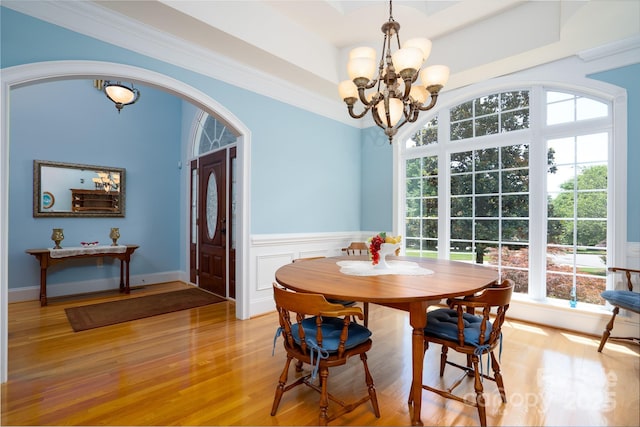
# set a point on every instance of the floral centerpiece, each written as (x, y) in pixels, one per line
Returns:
(380, 242)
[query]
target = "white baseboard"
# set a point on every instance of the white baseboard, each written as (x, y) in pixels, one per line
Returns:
(263, 306)
(32, 293)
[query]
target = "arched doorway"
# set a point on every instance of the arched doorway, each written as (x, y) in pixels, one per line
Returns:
(42, 72)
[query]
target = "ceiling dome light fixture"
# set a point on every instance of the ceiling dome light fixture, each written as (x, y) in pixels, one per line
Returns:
(397, 98)
(120, 94)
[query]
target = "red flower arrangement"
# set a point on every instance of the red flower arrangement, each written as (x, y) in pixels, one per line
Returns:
(374, 246)
(375, 243)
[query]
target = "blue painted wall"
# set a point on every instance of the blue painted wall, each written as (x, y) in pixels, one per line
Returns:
(308, 173)
(305, 168)
(629, 78)
(377, 181)
(86, 128)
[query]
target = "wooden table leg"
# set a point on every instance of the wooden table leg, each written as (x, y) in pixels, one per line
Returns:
(122, 289)
(418, 320)
(127, 287)
(43, 284)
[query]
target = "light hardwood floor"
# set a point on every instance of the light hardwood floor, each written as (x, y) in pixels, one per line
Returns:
(204, 367)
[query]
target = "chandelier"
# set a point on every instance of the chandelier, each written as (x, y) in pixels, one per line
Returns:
(107, 181)
(119, 93)
(397, 97)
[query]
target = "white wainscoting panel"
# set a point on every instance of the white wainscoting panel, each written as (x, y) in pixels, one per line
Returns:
(633, 256)
(272, 251)
(266, 266)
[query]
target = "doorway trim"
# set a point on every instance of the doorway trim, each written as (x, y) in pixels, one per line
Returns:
(55, 70)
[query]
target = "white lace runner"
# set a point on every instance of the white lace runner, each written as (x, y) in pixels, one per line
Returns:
(89, 250)
(365, 268)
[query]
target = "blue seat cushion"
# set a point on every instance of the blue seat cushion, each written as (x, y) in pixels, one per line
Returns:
(625, 299)
(443, 324)
(342, 302)
(331, 331)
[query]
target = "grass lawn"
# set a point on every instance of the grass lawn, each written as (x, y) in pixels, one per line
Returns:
(455, 256)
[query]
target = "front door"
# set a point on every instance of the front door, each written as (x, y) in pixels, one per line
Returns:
(212, 224)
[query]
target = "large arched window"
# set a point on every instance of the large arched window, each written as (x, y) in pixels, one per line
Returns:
(515, 179)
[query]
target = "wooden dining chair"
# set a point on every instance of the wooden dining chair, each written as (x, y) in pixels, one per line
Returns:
(340, 301)
(324, 340)
(627, 299)
(356, 248)
(476, 335)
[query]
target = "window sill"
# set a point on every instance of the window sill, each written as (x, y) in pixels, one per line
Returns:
(585, 318)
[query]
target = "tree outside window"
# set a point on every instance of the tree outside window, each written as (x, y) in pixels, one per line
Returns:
(483, 195)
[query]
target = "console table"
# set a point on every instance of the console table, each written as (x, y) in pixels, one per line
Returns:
(48, 257)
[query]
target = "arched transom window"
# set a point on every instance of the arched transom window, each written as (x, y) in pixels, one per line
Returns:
(212, 134)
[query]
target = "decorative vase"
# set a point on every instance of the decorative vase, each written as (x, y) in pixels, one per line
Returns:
(385, 249)
(57, 236)
(114, 235)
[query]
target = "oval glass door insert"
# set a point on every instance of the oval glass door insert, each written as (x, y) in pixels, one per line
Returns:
(212, 206)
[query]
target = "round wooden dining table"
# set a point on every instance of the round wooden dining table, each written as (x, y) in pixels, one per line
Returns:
(408, 292)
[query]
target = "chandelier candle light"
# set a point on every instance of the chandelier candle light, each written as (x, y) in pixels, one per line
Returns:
(107, 181)
(397, 93)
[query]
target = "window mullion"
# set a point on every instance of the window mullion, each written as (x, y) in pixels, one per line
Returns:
(444, 185)
(537, 198)
(534, 120)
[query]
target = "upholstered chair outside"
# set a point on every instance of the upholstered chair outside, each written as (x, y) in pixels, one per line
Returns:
(627, 299)
(461, 329)
(321, 335)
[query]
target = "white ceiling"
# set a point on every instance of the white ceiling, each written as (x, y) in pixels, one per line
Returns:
(305, 43)
(309, 40)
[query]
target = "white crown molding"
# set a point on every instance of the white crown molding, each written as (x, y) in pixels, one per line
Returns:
(95, 21)
(613, 55)
(614, 48)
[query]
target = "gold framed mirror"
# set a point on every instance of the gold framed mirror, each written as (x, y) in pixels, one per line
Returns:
(77, 190)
